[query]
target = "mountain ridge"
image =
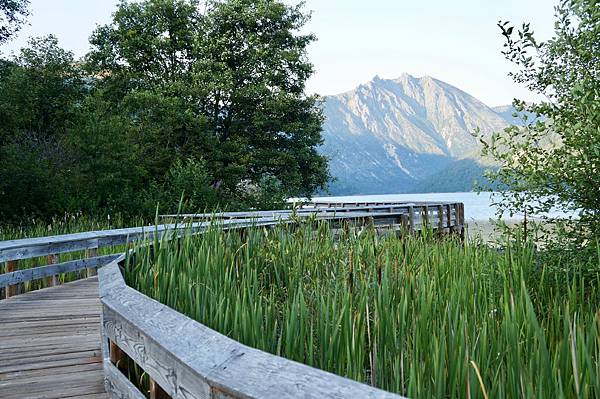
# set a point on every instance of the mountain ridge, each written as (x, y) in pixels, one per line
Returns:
(388, 135)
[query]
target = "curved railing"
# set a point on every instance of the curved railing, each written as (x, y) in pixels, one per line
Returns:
(184, 358)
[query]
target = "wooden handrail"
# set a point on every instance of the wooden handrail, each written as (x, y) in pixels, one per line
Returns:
(189, 360)
(349, 207)
(35, 273)
(43, 246)
(13, 250)
(184, 358)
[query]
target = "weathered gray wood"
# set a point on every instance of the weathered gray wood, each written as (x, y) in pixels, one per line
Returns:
(43, 246)
(91, 253)
(52, 280)
(28, 248)
(11, 267)
(335, 207)
(57, 352)
(117, 386)
(189, 360)
(183, 357)
(40, 272)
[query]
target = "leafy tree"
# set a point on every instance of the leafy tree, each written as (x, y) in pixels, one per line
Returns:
(12, 16)
(188, 179)
(553, 162)
(226, 86)
(108, 172)
(42, 90)
(255, 67)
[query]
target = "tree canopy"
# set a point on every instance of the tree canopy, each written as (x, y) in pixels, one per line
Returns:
(553, 162)
(170, 100)
(12, 17)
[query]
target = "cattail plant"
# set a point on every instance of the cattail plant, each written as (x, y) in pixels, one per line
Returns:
(419, 316)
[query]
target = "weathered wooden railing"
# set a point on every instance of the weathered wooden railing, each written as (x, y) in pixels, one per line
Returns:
(184, 358)
(439, 215)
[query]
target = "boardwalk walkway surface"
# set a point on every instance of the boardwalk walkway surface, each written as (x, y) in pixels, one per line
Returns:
(50, 343)
(50, 339)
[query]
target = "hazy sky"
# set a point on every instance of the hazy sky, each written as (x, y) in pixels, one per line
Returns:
(453, 40)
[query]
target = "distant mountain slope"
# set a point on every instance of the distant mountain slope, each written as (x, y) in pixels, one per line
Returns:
(458, 176)
(388, 136)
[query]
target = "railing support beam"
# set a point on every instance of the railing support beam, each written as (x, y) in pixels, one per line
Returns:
(91, 253)
(11, 290)
(52, 280)
(156, 392)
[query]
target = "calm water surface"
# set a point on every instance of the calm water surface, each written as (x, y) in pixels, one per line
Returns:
(478, 206)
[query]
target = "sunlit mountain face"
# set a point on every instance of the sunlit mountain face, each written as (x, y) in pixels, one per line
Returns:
(397, 135)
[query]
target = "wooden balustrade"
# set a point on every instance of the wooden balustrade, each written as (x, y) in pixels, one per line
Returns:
(186, 359)
(183, 358)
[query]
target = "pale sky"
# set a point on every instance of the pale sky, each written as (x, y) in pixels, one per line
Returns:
(456, 41)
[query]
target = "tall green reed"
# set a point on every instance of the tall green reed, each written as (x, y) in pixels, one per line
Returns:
(419, 316)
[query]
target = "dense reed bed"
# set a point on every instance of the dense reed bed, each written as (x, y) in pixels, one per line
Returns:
(420, 316)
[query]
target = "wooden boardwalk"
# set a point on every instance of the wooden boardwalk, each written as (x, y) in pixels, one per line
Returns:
(50, 343)
(51, 339)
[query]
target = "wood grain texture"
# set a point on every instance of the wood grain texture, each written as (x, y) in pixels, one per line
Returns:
(54, 340)
(189, 360)
(50, 343)
(35, 273)
(117, 386)
(11, 267)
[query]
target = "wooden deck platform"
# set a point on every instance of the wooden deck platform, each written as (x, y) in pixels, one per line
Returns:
(50, 343)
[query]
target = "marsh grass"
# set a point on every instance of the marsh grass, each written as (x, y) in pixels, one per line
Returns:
(419, 316)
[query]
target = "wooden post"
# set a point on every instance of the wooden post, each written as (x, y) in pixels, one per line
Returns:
(440, 210)
(424, 217)
(457, 218)
(117, 357)
(460, 221)
(11, 266)
(411, 219)
(91, 253)
(156, 392)
(52, 280)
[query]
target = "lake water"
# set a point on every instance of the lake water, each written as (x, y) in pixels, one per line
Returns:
(478, 206)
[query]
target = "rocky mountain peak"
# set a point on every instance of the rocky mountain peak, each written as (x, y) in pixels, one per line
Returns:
(394, 132)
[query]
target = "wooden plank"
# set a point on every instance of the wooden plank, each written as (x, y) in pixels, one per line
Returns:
(55, 347)
(335, 207)
(90, 382)
(117, 386)
(40, 272)
(411, 220)
(92, 253)
(52, 280)
(42, 246)
(11, 267)
(189, 360)
(58, 372)
(49, 359)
